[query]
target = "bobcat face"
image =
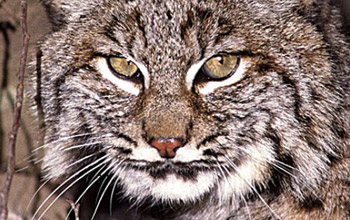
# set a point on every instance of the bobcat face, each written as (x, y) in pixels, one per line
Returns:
(176, 100)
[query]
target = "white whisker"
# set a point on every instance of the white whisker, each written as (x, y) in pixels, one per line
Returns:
(81, 146)
(241, 194)
(94, 180)
(21, 169)
(102, 195)
(63, 139)
(100, 189)
(67, 188)
(223, 175)
(113, 189)
(96, 177)
(84, 158)
(67, 180)
(251, 186)
(246, 205)
(34, 195)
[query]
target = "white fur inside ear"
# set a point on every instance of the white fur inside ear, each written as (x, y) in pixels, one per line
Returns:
(127, 86)
(141, 185)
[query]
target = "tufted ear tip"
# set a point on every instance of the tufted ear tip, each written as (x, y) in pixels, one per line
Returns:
(307, 3)
(55, 11)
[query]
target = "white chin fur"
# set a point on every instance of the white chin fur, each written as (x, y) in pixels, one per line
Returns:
(172, 188)
(141, 185)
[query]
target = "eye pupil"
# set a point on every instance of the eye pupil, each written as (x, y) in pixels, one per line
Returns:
(220, 59)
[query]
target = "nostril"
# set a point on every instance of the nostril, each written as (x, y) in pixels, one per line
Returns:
(176, 148)
(166, 146)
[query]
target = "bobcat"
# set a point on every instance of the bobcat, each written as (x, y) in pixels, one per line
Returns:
(196, 109)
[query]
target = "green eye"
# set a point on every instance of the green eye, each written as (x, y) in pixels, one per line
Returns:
(221, 67)
(122, 67)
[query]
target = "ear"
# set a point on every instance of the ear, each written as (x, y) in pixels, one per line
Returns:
(307, 3)
(63, 11)
(55, 11)
(332, 13)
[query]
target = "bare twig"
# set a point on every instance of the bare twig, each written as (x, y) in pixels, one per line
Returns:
(26, 134)
(16, 122)
(29, 142)
(5, 27)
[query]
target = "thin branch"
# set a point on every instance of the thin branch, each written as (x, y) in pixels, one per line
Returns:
(29, 143)
(26, 133)
(16, 122)
(5, 27)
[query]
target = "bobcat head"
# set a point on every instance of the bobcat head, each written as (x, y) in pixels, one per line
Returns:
(178, 101)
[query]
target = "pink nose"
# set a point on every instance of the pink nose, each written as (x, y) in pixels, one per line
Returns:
(166, 146)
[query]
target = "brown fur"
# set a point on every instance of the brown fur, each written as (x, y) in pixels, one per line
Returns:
(272, 145)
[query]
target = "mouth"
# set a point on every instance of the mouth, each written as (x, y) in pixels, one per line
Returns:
(167, 180)
(160, 169)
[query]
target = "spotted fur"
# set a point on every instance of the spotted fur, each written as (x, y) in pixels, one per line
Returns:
(273, 145)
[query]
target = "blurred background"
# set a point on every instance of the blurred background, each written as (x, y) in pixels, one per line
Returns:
(27, 178)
